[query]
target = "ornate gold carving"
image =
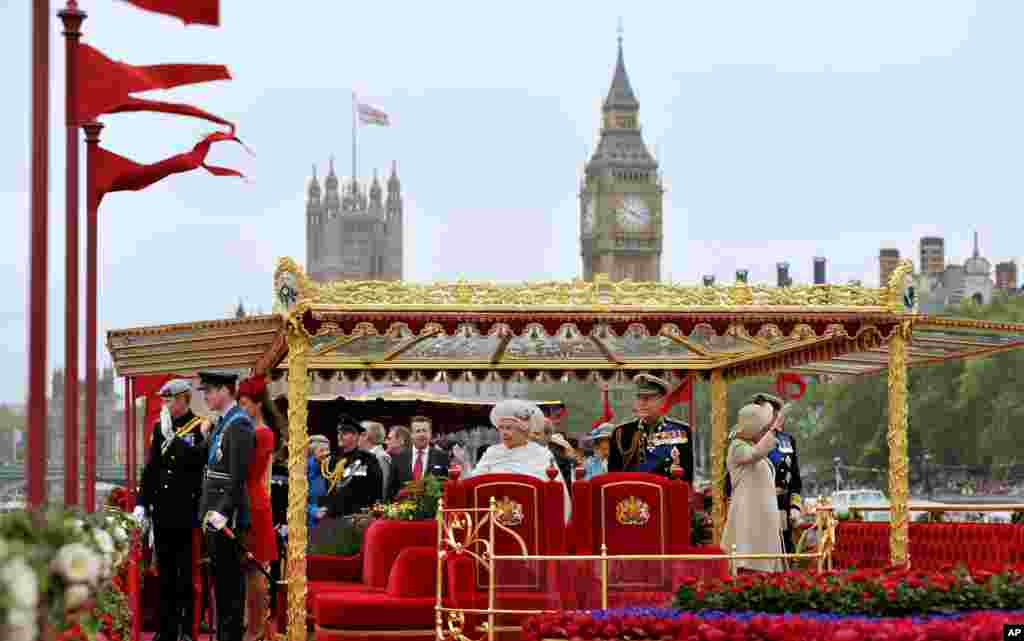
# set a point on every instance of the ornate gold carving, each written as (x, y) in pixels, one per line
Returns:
(290, 285)
(298, 489)
(633, 511)
(899, 488)
(576, 294)
(719, 437)
(510, 513)
(897, 285)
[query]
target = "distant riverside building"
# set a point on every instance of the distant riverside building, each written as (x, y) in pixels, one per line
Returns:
(819, 270)
(1006, 276)
(956, 283)
(352, 234)
(782, 275)
(933, 255)
(888, 261)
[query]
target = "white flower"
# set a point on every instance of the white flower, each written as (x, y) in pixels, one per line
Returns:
(22, 584)
(120, 535)
(19, 617)
(78, 525)
(103, 541)
(77, 563)
(76, 595)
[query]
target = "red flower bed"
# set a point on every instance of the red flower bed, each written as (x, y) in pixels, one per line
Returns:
(640, 625)
(881, 592)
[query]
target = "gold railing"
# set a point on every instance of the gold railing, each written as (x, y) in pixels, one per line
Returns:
(451, 522)
(948, 507)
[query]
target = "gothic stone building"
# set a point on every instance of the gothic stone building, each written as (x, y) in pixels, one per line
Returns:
(350, 236)
(621, 193)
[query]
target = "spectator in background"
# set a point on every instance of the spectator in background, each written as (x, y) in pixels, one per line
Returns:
(597, 464)
(319, 451)
(399, 438)
(372, 440)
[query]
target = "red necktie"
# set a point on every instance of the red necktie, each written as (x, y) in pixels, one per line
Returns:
(417, 470)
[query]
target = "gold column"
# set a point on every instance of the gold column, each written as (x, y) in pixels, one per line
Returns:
(899, 488)
(719, 436)
(298, 486)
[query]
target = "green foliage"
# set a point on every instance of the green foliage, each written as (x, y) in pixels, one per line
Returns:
(347, 542)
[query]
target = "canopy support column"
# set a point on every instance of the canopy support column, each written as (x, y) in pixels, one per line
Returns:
(298, 486)
(719, 436)
(899, 482)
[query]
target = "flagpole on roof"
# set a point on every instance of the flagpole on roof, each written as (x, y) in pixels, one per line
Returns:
(354, 129)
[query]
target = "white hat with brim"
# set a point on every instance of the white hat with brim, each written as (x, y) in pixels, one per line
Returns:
(752, 420)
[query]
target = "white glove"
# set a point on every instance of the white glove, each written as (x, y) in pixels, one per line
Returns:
(139, 514)
(320, 513)
(215, 520)
(166, 426)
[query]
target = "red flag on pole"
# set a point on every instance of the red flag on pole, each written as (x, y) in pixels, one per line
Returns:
(608, 416)
(148, 387)
(104, 83)
(141, 104)
(683, 393)
(188, 11)
(786, 379)
(117, 173)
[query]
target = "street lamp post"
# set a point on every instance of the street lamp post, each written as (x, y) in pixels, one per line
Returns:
(927, 475)
(837, 462)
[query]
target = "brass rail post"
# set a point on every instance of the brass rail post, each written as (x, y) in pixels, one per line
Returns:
(899, 483)
(719, 435)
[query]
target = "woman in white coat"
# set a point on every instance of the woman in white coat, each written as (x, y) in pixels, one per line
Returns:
(753, 525)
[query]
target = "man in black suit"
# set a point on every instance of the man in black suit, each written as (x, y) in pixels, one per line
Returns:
(421, 459)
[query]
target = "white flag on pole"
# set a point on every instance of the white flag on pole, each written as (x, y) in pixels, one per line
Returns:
(371, 116)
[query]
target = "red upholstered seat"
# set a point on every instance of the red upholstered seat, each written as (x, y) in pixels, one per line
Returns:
(636, 513)
(534, 510)
(367, 574)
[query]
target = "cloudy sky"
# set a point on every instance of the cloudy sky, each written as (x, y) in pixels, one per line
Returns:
(785, 129)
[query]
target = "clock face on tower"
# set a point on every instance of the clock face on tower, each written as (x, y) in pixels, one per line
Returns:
(589, 215)
(634, 214)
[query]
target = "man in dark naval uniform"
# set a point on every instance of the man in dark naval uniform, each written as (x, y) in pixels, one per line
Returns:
(786, 461)
(171, 482)
(651, 442)
(224, 499)
(354, 477)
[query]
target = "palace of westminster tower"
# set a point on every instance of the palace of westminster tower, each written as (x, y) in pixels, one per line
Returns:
(352, 236)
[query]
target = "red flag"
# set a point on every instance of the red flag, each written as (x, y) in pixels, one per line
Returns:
(117, 173)
(142, 104)
(784, 380)
(683, 393)
(188, 11)
(104, 83)
(148, 387)
(608, 415)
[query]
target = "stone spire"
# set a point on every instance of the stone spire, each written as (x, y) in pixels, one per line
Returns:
(620, 95)
(375, 191)
(394, 186)
(977, 251)
(314, 186)
(332, 199)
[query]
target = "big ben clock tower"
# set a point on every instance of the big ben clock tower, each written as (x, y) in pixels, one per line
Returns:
(621, 193)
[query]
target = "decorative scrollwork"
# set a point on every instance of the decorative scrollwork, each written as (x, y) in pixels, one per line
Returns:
(633, 511)
(576, 294)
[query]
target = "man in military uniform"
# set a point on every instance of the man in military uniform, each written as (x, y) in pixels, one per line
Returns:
(651, 442)
(354, 478)
(171, 482)
(224, 498)
(785, 460)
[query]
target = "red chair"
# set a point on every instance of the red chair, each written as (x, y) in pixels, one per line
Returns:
(535, 511)
(388, 589)
(637, 513)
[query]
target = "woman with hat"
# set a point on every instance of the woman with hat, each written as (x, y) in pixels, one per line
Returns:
(260, 539)
(752, 525)
(516, 453)
(597, 463)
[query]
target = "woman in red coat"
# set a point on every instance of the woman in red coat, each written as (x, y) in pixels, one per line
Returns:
(260, 540)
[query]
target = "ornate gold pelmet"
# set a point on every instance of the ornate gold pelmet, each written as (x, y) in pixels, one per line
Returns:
(899, 483)
(298, 490)
(719, 436)
(576, 294)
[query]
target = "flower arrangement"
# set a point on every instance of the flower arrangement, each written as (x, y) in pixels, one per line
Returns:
(417, 501)
(876, 592)
(640, 624)
(61, 564)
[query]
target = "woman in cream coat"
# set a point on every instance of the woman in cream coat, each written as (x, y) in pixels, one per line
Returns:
(753, 525)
